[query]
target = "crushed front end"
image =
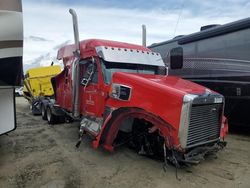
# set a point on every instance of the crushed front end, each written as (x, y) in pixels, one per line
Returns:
(202, 127)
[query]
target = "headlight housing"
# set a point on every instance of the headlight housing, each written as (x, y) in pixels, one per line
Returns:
(120, 92)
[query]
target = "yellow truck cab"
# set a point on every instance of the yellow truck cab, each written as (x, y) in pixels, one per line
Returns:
(37, 85)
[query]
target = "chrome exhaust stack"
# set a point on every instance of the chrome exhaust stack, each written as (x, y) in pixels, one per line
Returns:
(144, 36)
(76, 69)
(75, 28)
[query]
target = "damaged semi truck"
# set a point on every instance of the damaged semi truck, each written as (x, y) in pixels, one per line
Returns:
(121, 94)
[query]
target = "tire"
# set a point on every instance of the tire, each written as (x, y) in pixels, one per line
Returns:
(44, 114)
(51, 118)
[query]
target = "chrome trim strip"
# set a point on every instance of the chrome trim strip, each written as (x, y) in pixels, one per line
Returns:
(185, 118)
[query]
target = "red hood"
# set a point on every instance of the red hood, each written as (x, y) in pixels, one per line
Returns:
(172, 83)
(160, 96)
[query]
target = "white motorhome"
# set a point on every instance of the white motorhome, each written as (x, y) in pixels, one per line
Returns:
(11, 52)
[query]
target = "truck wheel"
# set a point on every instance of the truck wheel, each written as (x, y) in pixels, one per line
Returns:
(50, 116)
(44, 114)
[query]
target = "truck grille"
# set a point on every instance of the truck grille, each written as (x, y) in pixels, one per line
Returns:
(204, 124)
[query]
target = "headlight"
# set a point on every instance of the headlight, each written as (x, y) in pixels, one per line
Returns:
(120, 92)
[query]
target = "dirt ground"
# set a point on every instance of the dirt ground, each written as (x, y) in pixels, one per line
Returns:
(39, 155)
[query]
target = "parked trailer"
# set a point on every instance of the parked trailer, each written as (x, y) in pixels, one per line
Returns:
(121, 94)
(217, 57)
(38, 87)
(11, 52)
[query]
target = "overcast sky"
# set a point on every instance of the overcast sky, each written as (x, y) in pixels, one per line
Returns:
(122, 20)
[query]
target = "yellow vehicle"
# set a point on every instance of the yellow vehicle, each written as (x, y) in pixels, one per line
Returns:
(37, 85)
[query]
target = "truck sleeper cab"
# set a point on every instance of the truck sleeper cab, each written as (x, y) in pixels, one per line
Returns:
(125, 97)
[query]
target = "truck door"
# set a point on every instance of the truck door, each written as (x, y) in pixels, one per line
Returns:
(67, 94)
(92, 97)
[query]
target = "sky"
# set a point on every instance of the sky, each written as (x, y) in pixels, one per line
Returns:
(47, 23)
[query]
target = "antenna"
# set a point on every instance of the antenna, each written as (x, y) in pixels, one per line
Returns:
(179, 17)
(144, 36)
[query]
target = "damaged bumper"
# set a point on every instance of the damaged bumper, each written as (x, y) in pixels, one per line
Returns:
(195, 155)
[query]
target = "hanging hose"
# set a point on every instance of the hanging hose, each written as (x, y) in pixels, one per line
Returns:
(176, 164)
(165, 164)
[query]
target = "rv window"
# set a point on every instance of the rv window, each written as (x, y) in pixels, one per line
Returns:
(176, 58)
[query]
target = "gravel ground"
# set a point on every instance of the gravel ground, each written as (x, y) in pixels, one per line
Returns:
(39, 155)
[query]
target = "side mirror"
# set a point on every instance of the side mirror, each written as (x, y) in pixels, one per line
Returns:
(176, 58)
(88, 74)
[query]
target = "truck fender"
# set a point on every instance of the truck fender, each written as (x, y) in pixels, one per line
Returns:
(112, 124)
(96, 142)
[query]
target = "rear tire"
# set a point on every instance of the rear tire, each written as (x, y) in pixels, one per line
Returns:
(44, 114)
(50, 116)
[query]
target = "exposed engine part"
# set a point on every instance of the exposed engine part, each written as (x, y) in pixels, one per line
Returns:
(142, 139)
(92, 125)
(165, 164)
(81, 134)
(176, 164)
(78, 143)
(147, 141)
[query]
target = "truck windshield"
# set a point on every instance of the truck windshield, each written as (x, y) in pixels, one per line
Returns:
(108, 68)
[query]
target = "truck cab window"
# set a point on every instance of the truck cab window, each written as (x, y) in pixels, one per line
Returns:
(109, 68)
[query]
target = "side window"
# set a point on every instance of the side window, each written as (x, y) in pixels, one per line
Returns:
(84, 75)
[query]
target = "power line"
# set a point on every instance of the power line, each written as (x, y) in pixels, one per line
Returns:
(179, 16)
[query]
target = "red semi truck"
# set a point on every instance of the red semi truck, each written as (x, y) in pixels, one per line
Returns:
(121, 93)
